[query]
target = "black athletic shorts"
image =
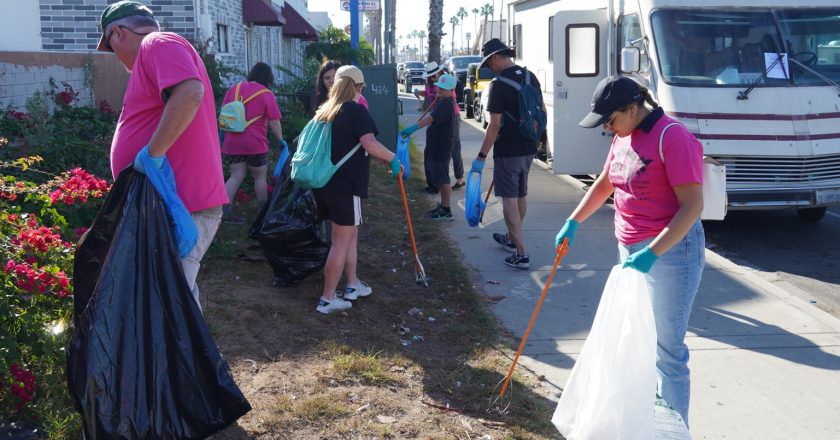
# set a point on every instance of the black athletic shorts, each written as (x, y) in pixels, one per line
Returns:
(340, 208)
(253, 160)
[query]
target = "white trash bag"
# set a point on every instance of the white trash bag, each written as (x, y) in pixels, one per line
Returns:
(611, 391)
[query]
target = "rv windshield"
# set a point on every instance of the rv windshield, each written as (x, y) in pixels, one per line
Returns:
(739, 48)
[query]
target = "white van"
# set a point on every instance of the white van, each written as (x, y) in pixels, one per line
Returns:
(755, 80)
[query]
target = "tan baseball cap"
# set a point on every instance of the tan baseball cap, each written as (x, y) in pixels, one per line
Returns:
(351, 72)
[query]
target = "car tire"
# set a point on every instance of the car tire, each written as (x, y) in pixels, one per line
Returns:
(811, 215)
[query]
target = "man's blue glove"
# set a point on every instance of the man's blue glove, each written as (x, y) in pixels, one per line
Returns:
(408, 131)
(477, 165)
(156, 161)
(642, 260)
(567, 231)
(162, 178)
(396, 167)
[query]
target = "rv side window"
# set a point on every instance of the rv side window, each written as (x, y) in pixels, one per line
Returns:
(551, 39)
(582, 42)
(630, 31)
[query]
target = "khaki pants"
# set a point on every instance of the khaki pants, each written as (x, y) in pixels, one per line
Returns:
(207, 222)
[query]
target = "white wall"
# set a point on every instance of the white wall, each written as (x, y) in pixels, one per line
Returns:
(20, 30)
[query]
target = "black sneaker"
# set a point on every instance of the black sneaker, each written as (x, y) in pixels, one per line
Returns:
(433, 211)
(459, 184)
(504, 242)
(441, 215)
(431, 189)
(518, 261)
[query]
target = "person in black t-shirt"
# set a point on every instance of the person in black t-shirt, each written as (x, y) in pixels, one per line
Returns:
(513, 153)
(340, 200)
(440, 138)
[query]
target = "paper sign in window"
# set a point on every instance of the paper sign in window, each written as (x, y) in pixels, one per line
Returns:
(779, 69)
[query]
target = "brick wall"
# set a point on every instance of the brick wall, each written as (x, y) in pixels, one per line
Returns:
(24, 73)
(73, 25)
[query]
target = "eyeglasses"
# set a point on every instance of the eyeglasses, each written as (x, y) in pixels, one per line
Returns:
(609, 122)
(111, 34)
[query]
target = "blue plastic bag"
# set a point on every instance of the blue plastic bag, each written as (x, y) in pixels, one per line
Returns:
(284, 155)
(474, 204)
(183, 226)
(402, 155)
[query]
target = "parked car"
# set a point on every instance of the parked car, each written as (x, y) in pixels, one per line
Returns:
(413, 69)
(458, 66)
(477, 81)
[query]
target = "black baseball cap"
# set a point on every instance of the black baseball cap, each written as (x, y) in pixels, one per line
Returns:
(613, 93)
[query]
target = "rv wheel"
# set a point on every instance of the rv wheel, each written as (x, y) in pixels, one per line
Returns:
(811, 214)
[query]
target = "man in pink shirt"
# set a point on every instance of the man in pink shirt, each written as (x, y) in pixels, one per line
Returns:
(169, 108)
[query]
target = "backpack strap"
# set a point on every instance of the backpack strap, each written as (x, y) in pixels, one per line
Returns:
(662, 137)
(348, 155)
(238, 97)
(257, 93)
(236, 92)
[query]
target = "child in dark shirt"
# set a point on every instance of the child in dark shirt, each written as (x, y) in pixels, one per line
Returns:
(440, 137)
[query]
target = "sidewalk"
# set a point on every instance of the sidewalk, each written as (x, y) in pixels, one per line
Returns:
(765, 364)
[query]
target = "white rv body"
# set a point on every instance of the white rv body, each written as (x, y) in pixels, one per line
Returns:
(781, 145)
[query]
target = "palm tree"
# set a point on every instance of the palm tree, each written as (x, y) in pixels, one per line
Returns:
(422, 35)
(462, 14)
(435, 29)
(454, 21)
(486, 10)
(475, 12)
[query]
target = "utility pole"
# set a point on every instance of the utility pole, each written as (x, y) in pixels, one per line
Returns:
(354, 27)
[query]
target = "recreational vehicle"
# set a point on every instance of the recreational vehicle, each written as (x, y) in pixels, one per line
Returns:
(756, 81)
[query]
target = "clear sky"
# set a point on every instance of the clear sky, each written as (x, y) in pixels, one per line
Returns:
(414, 15)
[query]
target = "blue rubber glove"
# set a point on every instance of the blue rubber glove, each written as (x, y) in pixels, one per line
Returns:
(156, 161)
(281, 162)
(184, 228)
(477, 165)
(408, 131)
(567, 231)
(642, 260)
(396, 167)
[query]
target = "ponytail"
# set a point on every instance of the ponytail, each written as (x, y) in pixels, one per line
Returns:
(646, 97)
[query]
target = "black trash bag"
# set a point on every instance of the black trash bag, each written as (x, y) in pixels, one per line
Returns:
(294, 242)
(142, 363)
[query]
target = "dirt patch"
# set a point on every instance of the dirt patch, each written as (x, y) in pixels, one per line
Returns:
(407, 362)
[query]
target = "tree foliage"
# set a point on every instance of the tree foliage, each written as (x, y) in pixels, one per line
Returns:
(334, 44)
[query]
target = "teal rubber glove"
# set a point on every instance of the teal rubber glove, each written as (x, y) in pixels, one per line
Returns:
(477, 165)
(567, 231)
(416, 92)
(138, 163)
(642, 260)
(396, 167)
(408, 131)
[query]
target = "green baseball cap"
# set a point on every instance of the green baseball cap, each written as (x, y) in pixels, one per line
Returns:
(119, 10)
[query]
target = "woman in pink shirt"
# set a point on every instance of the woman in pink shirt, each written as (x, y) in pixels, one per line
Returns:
(658, 200)
(248, 151)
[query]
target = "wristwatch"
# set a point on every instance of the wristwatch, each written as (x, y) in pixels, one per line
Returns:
(482, 155)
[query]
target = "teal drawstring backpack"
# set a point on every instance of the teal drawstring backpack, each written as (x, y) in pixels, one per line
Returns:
(312, 165)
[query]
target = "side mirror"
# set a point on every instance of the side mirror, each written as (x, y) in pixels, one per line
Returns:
(631, 60)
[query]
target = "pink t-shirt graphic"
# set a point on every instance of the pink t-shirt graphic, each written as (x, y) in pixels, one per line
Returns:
(254, 140)
(645, 201)
(164, 60)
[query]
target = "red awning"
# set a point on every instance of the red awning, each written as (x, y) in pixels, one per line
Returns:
(296, 26)
(261, 13)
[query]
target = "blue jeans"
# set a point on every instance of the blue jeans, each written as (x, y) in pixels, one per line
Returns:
(674, 280)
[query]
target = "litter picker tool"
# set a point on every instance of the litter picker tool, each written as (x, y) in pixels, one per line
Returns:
(486, 198)
(561, 252)
(419, 272)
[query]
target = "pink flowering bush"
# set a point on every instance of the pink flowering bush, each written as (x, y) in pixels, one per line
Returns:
(36, 269)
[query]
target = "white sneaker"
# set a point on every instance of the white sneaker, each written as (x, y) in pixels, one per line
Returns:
(336, 305)
(356, 291)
